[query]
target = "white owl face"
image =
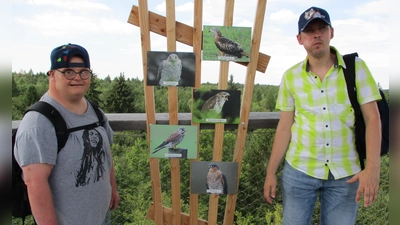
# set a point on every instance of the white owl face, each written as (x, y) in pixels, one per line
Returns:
(173, 57)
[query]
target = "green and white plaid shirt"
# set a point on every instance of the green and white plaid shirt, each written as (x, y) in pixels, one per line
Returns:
(322, 133)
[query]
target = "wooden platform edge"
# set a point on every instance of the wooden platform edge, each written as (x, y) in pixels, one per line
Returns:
(167, 215)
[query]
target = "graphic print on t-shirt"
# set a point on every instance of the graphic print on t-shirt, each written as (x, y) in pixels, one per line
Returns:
(93, 159)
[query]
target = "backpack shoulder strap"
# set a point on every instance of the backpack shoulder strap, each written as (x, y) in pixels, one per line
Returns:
(99, 113)
(350, 77)
(55, 118)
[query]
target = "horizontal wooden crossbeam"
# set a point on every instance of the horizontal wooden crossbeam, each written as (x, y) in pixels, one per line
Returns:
(184, 34)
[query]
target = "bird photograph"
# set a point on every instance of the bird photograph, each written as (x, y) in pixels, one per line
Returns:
(215, 103)
(171, 69)
(172, 138)
(216, 106)
(227, 43)
(214, 177)
(172, 141)
(216, 182)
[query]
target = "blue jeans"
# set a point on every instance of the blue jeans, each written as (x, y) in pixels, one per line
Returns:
(300, 191)
(107, 220)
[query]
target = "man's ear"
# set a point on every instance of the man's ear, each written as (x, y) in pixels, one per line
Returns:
(299, 39)
(332, 32)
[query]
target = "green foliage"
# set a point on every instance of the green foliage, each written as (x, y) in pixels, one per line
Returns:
(274, 217)
(93, 94)
(120, 97)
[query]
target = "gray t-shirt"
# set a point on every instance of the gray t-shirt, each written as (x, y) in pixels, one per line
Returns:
(80, 179)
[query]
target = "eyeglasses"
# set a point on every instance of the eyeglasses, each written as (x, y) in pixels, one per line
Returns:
(70, 74)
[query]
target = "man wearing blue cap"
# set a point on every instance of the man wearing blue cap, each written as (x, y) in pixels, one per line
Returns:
(315, 132)
(76, 185)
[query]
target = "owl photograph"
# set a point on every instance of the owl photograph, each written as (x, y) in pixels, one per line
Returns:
(170, 69)
(226, 43)
(214, 178)
(173, 141)
(216, 106)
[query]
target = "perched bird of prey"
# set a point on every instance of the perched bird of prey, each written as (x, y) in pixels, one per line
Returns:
(169, 70)
(173, 140)
(215, 103)
(226, 45)
(216, 182)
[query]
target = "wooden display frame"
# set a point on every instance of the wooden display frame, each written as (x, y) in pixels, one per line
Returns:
(192, 36)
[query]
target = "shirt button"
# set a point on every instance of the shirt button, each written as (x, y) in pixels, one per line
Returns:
(322, 91)
(326, 125)
(324, 108)
(315, 77)
(327, 144)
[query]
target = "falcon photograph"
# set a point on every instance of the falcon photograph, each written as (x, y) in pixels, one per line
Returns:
(226, 43)
(170, 69)
(214, 178)
(216, 106)
(173, 141)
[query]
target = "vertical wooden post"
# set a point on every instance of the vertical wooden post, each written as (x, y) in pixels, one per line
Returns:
(150, 111)
(246, 104)
(219, 128)
(197, 44)
(173, 116)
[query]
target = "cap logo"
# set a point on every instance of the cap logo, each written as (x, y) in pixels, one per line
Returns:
(313, 14)
(59, 60)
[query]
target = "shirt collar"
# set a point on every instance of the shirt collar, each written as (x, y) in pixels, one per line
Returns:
(338, 61)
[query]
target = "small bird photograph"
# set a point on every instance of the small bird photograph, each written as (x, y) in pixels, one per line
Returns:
(216, 106)
(214, 178)
(170, 69)
(226, 43)
(173, 141)
(216, 182)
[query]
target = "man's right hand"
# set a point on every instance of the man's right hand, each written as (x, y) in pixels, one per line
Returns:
(270, 188)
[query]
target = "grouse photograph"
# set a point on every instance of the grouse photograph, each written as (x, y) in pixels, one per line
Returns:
(222, 43)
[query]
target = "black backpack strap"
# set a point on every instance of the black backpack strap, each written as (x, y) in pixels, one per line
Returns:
(58, 121)
(350, 77)
(55, 118)
(99, 113)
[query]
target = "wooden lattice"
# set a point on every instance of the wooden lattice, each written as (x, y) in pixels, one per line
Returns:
(192, 36)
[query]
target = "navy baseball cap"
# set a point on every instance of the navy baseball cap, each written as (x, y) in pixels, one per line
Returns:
(311, 14)
(60, 57)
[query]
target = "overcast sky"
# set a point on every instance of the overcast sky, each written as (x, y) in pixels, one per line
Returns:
(114, 45)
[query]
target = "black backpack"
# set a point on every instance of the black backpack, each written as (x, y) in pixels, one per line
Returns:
(20, 202)
(383, 107)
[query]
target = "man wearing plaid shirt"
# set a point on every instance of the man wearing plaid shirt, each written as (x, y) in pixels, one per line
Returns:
(315, 132)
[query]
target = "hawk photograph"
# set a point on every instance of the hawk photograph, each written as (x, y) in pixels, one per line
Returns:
(173, 139)
(225, 43)
(170, 69)
(214, 178)
(216, 182)
(216, 106)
